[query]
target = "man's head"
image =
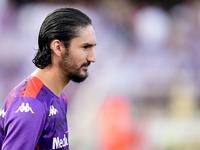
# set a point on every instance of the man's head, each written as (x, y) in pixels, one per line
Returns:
(65, 26)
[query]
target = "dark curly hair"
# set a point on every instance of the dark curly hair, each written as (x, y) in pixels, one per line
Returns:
(62, 24)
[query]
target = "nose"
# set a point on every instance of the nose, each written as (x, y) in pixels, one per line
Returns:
(91, 56)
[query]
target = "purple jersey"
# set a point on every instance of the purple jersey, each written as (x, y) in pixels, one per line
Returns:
(33, 117)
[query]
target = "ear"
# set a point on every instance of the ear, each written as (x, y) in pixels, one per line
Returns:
(57, 47)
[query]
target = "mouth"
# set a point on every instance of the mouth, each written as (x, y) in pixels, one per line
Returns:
(85, 65)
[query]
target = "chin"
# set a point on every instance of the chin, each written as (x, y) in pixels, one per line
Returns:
(78, 77)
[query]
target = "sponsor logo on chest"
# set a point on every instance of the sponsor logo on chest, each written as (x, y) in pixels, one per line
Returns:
(59, 143)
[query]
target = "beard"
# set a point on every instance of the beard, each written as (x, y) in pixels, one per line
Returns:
(77, 77)
(71, 68)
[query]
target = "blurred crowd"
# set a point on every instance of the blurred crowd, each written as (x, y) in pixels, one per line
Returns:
(143, 91)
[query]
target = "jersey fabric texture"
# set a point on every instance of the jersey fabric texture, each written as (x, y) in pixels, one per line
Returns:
(33, 118)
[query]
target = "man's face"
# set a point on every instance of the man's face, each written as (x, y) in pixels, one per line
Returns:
(79, 55)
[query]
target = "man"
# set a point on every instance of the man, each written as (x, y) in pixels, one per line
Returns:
(33, 115)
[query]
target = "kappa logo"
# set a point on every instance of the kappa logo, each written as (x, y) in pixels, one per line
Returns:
(24, 108)
(52, 111)
(2, 113)
(59, 143)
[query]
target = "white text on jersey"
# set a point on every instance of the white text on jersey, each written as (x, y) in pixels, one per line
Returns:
(52, 111)
(24, 108)
(2, 113)
(59, 143)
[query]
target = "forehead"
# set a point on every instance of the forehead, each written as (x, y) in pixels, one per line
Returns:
(86, 35)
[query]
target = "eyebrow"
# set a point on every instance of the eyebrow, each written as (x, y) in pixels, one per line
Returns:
(88, 44)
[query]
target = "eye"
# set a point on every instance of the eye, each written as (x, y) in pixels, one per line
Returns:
(85, 47)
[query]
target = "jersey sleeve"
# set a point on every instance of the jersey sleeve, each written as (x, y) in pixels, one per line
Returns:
(24, 123)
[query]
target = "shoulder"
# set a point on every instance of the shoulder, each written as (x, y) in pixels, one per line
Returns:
(25, 108)
(28, 102)
(33, 87)
(29, 87)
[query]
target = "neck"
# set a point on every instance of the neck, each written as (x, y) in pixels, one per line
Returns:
(52, 78)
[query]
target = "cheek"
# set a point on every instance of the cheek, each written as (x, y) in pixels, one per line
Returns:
(67, 62)
(79, 58)
(70, 63)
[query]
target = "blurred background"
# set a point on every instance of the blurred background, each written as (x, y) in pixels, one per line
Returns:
(143, 91)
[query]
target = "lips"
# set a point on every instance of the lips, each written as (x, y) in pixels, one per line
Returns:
(85, 65)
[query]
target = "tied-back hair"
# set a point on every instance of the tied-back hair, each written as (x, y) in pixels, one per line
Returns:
(62, 24)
